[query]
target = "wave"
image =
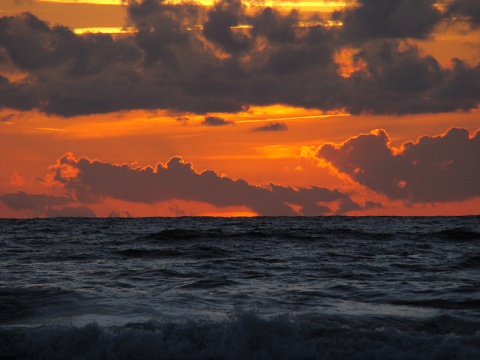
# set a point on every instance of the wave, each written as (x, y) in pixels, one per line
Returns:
(196, 252)
(471, 262)
(174, 234)
(445, 304)
(23, 302)
(210, 283)
(146, 253)
(458, 234)
(212, 233)
(246, 336)
(259, 234)
(299, 234)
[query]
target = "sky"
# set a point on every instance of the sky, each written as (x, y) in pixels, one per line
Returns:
(228, 108)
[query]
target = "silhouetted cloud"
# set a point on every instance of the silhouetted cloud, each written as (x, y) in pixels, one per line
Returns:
(398, 80)
(433, 169)
(372, 19)
(192, 59)
(38, 202)
(274, 126)
(45, 205)
(215, 121)
(224, 15)
(469, 9)
(90, 181)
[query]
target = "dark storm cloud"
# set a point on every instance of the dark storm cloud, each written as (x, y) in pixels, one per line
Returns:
(162, 29)
(188, 58)
(469, 9)
(17, 96)
(397, 79)
(274, 126)
(94, 180)
(39, 202)
(215, 121)
(45, 205)
(218, 28)
(433, 169)
(372, 19)
(274, 26)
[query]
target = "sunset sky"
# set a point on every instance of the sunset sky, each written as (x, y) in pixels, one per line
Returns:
(159, 108)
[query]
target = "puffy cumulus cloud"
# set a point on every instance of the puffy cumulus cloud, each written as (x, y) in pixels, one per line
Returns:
(433, 169)
(273, 126)
(177, 180)
(397, 79)
(372, 19)
(222, 18)
(215, 121)
(189, 58)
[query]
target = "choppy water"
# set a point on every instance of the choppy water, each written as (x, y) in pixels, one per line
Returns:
(237, 288)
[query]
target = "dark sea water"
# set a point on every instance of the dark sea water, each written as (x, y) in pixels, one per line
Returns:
(240, 288)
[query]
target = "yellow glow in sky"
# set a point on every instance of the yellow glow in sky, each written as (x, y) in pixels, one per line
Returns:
(103, 30)
(262, 145)
(97, 2)
(297, 4)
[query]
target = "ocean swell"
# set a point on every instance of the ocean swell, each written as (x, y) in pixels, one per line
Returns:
(245, 336)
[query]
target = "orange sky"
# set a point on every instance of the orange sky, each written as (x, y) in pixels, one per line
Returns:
(296, 147)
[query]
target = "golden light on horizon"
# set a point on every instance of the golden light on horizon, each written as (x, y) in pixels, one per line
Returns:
(293, 3)
(104, 30)
(94, 2)
(140, 98)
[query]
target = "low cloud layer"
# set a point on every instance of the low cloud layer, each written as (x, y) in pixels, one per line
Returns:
(372, 19)
(190, 58)
(45, 205)
(90, 182)
(40, 202)
(433, 169)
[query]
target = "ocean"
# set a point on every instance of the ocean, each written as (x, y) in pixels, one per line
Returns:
(240, 288)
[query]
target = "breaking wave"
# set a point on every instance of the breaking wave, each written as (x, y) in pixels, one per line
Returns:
(247, 336)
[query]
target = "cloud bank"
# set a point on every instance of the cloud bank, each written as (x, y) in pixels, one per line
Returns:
(190, 58)
(91, 181)
(46, 205)
(433, 169)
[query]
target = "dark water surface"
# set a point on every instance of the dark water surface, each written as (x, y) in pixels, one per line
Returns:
(236, 288)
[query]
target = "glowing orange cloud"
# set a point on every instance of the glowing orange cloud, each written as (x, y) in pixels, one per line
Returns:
(434, 169)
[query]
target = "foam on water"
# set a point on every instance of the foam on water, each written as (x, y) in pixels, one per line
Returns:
(318, 288)
(248, 336)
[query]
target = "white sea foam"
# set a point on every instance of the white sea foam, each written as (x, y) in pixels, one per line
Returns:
(353, 288)
(247, 336)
